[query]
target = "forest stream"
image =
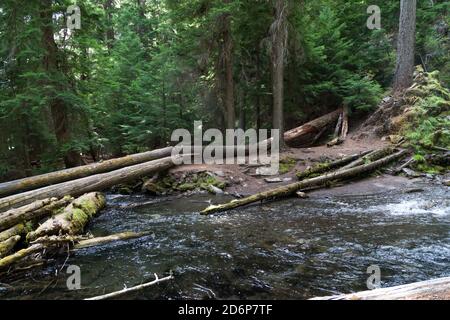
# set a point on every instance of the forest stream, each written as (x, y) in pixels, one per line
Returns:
(290, 249)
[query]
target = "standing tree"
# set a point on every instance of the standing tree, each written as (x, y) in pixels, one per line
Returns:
(279, 36)
(225, 65)
(405, 47)
(52, 66)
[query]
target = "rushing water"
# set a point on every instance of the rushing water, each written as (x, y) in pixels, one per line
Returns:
(290, 249)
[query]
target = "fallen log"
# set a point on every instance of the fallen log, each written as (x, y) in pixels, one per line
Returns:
(112, 238)
(17, 230)
(19, 255)
(96, 182)
(7, 245)
(290, 189)
(327, 166)
(73, 218)
(372, 156)
(436, 289)
(122, 292)
(30, 183)
(29, 212)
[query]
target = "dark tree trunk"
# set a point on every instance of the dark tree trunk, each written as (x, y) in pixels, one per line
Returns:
(51, 64)
(226, 68)
(279, 41)
(109, 35)
(405, 47)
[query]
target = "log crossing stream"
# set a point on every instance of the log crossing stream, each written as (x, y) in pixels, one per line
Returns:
(290, 249)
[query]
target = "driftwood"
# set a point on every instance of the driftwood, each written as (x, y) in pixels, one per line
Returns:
(324, 167)
(19, 255)
(92, 183)
(436, 289)
(37, 210)
(344, 130)
(7, 245)
(122, 292)
(21, 185)
(112, 238)
(73, 218)
(290, 189)
(17, 230)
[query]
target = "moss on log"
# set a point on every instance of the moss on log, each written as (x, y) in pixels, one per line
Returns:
(37, 210)
(73, 218)
(372, 156)
(290, 189)
(92, 183)
(7, 245)
(11, 187)
(19, 255)
(327, 166)
(17, 230)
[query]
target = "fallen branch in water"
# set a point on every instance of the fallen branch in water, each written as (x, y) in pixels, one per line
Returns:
(112, 238)
(290, 189)
(436, 289)
(132, 289)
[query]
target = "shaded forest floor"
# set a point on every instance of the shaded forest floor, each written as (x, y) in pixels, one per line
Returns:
(243, 181)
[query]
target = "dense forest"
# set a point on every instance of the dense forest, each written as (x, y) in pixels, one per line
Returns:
(136, 70)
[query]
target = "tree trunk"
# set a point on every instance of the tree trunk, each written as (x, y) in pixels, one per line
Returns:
(42, 180)
(279, 36)
(405, 45)
(73, 219)
(310, 129)
(436, 289)
(36, 210)
(109, 35)
(96, 182)
(226, 68)
(52, 67)
(290, 189)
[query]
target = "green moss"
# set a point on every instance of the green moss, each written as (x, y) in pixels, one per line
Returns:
(314, 171)
(287, 164)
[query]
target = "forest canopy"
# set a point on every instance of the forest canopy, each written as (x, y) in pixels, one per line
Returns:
(138, 69)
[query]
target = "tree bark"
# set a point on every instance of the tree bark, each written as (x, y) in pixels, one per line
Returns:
(405, 45)
(290, 189)
(436, 289)
(226, 68)
(310, 129)
(279, 36)
(7, 245)
(32, 212)
(51, 65)
(73, 219)
(31, 183)
(96, 182)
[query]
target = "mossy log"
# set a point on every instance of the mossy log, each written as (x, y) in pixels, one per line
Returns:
(290, 189)
(17, 230)
(7, 245)
(327, 166)
(92, 183)
(37, 210)
(73, 218)
(19, 255)
(436, 289)
(30, 183)
(372, 156)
